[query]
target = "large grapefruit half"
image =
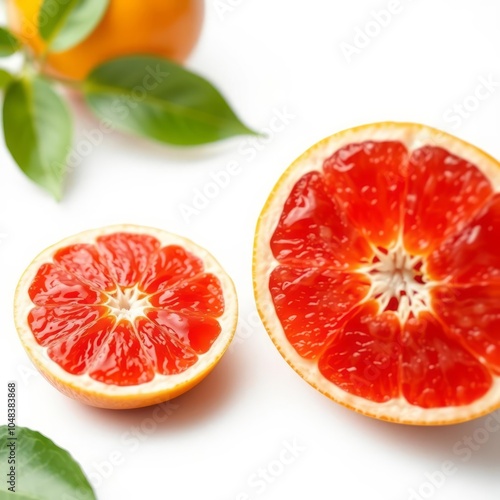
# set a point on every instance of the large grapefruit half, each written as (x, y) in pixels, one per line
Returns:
(377, 272)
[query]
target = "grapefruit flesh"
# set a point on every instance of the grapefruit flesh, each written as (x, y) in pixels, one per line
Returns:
(123, 316)
(377, 273)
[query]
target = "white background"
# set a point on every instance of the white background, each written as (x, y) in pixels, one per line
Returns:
(267, 56)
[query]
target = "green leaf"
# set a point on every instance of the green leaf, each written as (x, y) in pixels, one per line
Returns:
(65, 23)
(38, 129)
(5, 78)
(43, 471)
(161, 100)
(9, 44)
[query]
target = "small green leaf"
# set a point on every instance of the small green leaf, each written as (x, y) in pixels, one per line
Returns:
(9, 44)
(5, 78)
(43, 471)
(37, 128)
(161, 100)
(65, 23)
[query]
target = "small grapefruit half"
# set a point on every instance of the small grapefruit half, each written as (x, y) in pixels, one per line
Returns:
(377, 273)
(125, 316)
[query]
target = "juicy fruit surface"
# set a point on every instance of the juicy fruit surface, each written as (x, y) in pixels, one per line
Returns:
(166, 28)
(125, 308)
(387, 274)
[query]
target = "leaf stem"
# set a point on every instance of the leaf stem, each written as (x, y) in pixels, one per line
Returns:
(28, 68)
(35, 66)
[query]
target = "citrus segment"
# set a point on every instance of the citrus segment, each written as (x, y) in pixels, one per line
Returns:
(121, 360)
(53, 285)
(196, 332)
(125, 316)
(312, 302)
(313, 229)
(49, 323)
(201, 294)
(472, 314)
(363, 355)
(471, 255)
(167, 354)
(437, 371)
(168, 265)
(443, 192)
(83, 262)
(377, 275)
(370, 196)
(126, 256)
(76, 351)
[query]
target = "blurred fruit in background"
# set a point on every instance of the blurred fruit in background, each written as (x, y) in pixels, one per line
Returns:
(167, 28)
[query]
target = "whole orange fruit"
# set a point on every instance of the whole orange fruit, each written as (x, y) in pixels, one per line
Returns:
(168, 28)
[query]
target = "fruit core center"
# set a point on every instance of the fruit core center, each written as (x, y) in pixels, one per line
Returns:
(397, 281)
(127, 303)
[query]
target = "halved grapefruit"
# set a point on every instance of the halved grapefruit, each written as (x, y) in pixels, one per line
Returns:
(125, 316)
(377, 273)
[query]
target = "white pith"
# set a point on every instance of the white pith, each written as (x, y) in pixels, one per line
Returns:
(393, 275)
(412, 136)
(128, 304)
